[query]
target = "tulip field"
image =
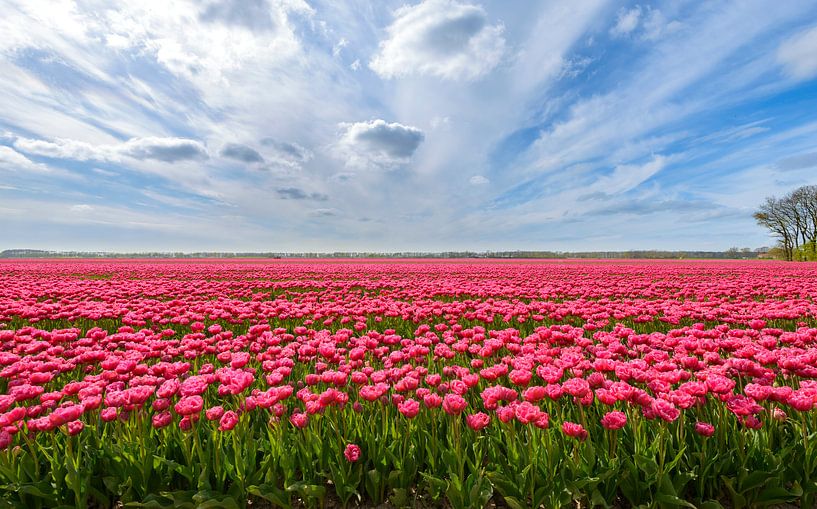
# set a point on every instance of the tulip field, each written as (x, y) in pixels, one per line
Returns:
(408, 383)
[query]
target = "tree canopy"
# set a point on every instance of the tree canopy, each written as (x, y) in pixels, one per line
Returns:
(792, 219)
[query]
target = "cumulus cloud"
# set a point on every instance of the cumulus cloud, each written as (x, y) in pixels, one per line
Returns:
(288, 150)
(59, 149)
(167, 150)
(441, 38)
(241, 153)
(378, 143)
(251, 14)
(213, 44)
(324, 213)
(343, 176)
(627, 21)
(296, 193)
(11, 160)
(798, 54)
(478, 180)
(81, 208)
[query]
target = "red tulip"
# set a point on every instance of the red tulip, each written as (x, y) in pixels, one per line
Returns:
(352, 453)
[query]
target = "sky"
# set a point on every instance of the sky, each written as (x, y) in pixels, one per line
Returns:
(325, 125)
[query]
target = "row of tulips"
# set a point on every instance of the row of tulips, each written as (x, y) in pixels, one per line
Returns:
(443, 406)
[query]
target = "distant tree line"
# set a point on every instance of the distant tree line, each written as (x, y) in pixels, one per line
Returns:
(731, 253)
(792, 219)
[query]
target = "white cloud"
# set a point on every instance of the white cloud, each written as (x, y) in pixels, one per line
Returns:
(154, 148)
(653, 23)
(81, 208)
(343, 176)
(163, 149)
(798, 54)
(627, 21)
(81, 79)
(286, 154)
(11, 160)
(599, 125)
(440, 122)
(573, 67)
(629, 176)
(207, 43)
(337, 48)
(656, 25)
(324, 213)
(440, 38)
(377, 143)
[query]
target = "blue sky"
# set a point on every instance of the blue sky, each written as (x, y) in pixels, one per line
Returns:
(291, 125)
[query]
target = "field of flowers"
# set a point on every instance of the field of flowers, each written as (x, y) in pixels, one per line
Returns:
(408, 383)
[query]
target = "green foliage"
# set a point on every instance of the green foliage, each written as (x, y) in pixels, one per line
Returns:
(434, 457)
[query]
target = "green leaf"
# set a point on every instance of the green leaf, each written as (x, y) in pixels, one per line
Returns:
(665, 487)
(204, 479)
(111, 484)
(270, 493)
(308, 490)
(588, 454)
(672, 501)
(506, 486)
(809, 487)
(437, 486)
(646, 464)
(775, 495)
(710, 504)
(679, 481)
(35, 491)
(541, 495)
(630, 484)
(394, 477)
(514, 503)
(224, 503)
(671, 465)
(754, 480)
(481, 490)
(101, 498)
(738, 500)
(450, 460)
(372, 484)
(164, 500)
(597, 499)
(399, 497)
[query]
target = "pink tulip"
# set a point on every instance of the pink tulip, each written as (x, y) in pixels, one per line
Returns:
(478, 421)
(704, 429)
(454, 404)
(228, 421)
(352, 453)
(574, 430)
(614, 420)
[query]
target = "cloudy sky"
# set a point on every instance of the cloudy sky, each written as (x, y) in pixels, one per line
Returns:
(320, 125)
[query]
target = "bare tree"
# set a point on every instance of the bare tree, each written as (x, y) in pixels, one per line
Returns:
(806, 198)
(772, 216)
(793, 220)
